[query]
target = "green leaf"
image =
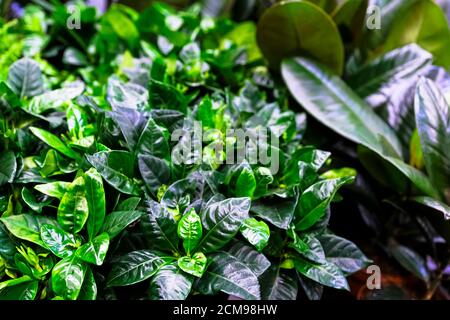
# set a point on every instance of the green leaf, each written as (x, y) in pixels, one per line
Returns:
(277, 284)
(334, 104)
(25, 78)
(378, 79)
(95, 250)
(154, 171)
(135, 267)
(67, 277)
(116, 167)
(315, 200)
(129, 204)
(222, 221)
(61, 243)
(327, 274)
(95, 196)
(246, 183)
(26, 290)
(31, 201)
(154, 141)
(411, 261)
(54, 142)
(254, 260)
(277, 211)
(115, 222)
(228, 274)
(343, 253)
(8, 167)
(160, 228)
(170, 283)
(256, 232)
(308, 246)
(329, 99)
(195, 265)
(88, 289)
(296, 22)
(131, 122)
(73, 209)
(123, 26)
(55, 99)
(433, 123)
(27, 227)
(54, 189)
(190, 230)
(8, 247)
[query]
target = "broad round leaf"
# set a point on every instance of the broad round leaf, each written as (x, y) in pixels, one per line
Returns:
(25, 78)
(295, 28)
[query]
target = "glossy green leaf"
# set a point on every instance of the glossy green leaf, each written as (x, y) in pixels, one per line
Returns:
(160, 228)
(246, 183)
(277, 211)
(27, 227)
(221, 221)
(68, 276)
(115, 222)
(32, 202)
(328, 99)
(61, 243)
(433, 123)
(377, 80)
(190, 230)
(131, 122)
(256, 232)
(343, 253)
(53, 189)
(116, 167)
(194, 265)
(8, 247)
(253, 259)
(8, 167)
(73, 209)
(25, 78)
(308, 246)
(277, 284)
(154, 141)
(314, 201)
(154, 171)
(290, 28)
(170, 283)
(95, 250)
(95, 196)
(54, 142)
(89, 287)
(230, 275)
(334, 104)
(22, 291)
(327, 274)
(135, 267)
